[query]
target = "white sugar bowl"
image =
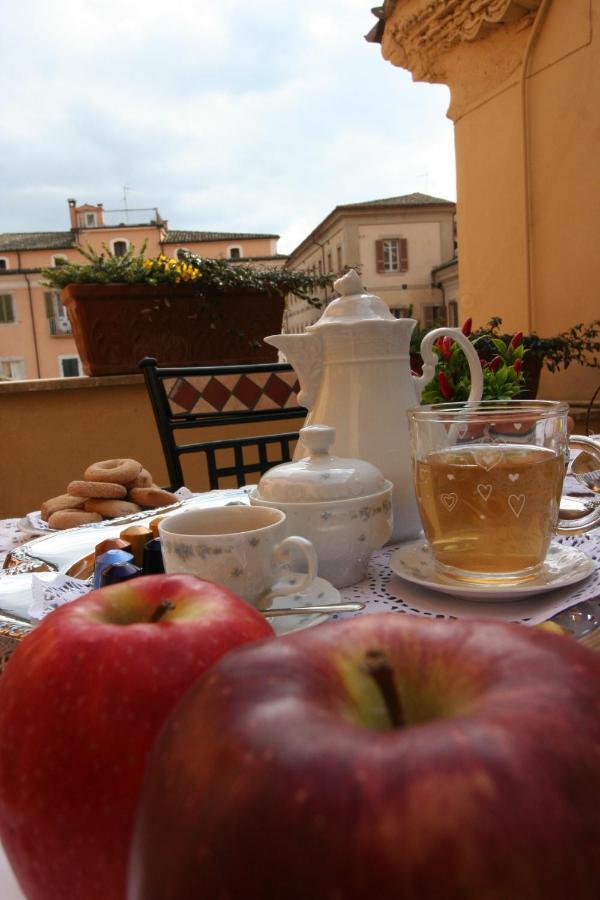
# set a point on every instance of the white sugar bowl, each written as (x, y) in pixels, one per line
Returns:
(343, 506)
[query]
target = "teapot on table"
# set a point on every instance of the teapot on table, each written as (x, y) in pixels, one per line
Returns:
(353, 365)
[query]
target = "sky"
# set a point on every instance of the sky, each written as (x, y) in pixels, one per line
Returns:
(226, 115)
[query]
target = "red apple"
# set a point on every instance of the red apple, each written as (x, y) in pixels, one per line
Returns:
(387, 757)
(81, 702)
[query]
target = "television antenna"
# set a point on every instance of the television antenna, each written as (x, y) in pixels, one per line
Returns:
(126, 188)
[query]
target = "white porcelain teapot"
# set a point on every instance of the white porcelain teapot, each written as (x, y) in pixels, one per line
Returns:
(353, 365)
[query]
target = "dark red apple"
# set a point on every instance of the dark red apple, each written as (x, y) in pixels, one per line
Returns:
(81, 702)
(388, 757)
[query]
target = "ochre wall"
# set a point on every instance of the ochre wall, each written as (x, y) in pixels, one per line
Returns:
(53, 429)
(527, 152)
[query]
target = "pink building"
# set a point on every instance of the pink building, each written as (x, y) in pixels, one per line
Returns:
(35, 333)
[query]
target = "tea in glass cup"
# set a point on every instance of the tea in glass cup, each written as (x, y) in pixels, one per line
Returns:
(488, 479)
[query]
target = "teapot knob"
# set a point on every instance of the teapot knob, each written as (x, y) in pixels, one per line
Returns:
(317, 439)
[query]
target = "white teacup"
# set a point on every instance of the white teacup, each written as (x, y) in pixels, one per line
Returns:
(241, 547)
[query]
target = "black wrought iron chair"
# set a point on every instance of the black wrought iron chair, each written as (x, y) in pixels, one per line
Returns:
(192, 397)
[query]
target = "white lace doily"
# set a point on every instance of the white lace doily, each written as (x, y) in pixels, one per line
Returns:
(383, 591)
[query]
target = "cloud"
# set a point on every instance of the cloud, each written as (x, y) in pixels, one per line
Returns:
(241, 114)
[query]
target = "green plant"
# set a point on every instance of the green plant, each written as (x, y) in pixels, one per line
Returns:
(501, 361)
(579, 344)
(210, 277)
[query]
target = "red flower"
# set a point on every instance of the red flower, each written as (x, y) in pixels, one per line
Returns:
(446, 347)
(518, 365)
(446, 386)
(516, 339)
(466, 329)
(496, 363)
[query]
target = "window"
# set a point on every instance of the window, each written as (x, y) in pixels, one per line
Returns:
(339, 259)
(434, 315)
(56, 313)
(7, 309)
(320, 265)
(119, 248)
(69, 366)
(401, 312)
(453, 313)
(59, 260)
(12, 367)
(234, 252)
(329, 263)
(391, 255)
(90, 220)
(3, 262)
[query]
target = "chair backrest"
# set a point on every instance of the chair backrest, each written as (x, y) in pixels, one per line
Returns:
(191, 397)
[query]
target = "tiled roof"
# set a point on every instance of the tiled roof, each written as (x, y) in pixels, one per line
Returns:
(183, 237)
(37, 240)
(415, 199)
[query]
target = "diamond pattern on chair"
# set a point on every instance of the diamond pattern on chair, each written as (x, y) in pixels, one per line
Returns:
(247, 391)
(216, 394)
(184, 394)
(278, 390)
(204, 395)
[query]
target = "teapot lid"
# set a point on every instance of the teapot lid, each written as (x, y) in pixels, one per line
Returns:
(320, 476)
(353, 305)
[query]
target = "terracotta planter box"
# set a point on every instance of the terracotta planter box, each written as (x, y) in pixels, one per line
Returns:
(116, 325)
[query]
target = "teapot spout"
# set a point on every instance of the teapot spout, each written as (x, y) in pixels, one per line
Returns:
(304, 352)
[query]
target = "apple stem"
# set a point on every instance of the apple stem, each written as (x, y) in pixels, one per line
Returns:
(163, 607)
(378, 667)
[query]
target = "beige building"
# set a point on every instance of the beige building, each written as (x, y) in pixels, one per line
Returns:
(402, 247)
(35, 332)
(524, 78)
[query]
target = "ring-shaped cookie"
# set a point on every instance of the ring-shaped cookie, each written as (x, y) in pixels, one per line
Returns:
(63, 501)
(105, 490)
(151, 496)
(115, 471)
(71, 518)
(111, 509)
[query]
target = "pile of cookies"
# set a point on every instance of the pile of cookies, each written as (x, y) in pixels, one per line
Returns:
(109, 489)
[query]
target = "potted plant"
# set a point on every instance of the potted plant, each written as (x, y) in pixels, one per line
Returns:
(183, 311)
(511, 363)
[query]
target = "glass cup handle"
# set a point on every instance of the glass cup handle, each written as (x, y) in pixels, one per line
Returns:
(586, 523)
(282, 555)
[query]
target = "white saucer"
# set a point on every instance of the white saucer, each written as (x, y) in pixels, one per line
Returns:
(317, 594)
(564, 565)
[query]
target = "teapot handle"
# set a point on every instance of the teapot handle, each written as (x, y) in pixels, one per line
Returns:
(430, 360)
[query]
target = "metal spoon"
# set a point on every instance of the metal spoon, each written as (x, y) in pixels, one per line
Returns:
(585, 465)
(327, 608)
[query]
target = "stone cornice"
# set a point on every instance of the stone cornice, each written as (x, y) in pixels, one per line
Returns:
(417, 34)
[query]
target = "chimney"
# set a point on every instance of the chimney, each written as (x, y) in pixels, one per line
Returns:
(72, 213)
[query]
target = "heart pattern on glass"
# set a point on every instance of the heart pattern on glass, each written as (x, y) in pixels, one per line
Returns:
(462, 430)
(449, 501)
(484, 491)
(487, 459)
(514, 476)
(517, 426)
(516, 503)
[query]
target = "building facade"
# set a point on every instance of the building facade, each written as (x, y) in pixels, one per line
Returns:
(524, 78)
(398, 244)
(35, 332)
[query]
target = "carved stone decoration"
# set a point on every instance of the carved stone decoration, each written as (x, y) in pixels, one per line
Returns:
(414, 38)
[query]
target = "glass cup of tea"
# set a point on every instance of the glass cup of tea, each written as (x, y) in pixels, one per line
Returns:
(488, 479)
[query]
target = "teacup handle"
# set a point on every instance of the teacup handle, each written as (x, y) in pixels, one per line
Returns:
(586, 523)
(281, 556)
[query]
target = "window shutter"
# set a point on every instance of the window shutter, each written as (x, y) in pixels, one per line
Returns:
(48, 298)
(379, 256)
(403, 253)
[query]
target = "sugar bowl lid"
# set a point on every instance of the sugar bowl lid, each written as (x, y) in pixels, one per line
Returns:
(320, 476)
